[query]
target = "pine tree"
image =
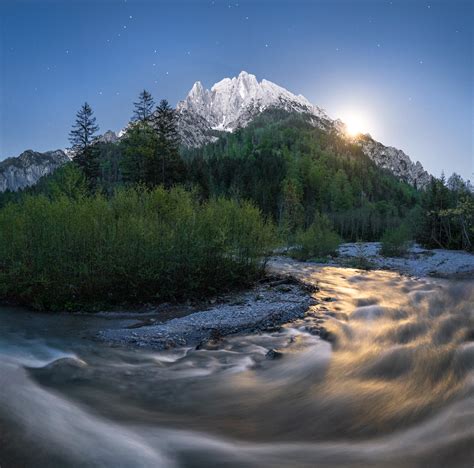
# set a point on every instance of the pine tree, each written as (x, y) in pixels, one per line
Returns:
(138, 149)
(166, 166)
(143, 111)
(82, 134)
(81, 138)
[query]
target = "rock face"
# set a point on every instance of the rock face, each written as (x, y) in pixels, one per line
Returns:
(26, 169)
(108, 137)
(204, 114)
(234, 102)
(396, 161)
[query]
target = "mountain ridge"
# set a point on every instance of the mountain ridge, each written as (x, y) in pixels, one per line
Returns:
(234, 102)
(25, 170)
(229, 104)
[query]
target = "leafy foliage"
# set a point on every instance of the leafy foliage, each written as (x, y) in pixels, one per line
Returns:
(447, 215)
(139, 245)
(118, 225)
(396, 242)
(150, 147)
(319, 240)
(292, 171)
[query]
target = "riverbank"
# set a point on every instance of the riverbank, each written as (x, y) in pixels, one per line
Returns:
(266, 307)
(390, 379)
(283, 297)
(418, 261)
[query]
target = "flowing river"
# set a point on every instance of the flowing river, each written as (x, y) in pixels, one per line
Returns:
(391, 386)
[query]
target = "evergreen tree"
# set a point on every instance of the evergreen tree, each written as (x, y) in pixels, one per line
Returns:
(81, 138)
(82, 134)
(143, 111)
(166, 166)
(138, 150)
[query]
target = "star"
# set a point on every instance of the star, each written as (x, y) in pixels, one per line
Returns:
(67, 51)
(155, 51)
(154, 64)
(246, 17)
(124, 27)
(378, 45)
(266, 45)
(421, 62)
(131, 17)
(337, 49)
(100, 92)
(189, 53)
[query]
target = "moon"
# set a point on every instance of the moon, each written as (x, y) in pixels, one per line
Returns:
(356, 123)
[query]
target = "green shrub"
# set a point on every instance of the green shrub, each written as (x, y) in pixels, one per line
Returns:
(396, 242)
(138, 246)
(319, 240)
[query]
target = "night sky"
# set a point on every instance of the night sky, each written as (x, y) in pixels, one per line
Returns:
(404, 69)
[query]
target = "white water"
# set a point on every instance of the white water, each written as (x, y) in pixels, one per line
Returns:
(394, 388)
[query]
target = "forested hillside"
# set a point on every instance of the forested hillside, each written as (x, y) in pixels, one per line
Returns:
(142, 209)
(294, 171)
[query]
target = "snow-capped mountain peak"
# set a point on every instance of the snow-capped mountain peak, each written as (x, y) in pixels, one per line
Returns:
(233, 102)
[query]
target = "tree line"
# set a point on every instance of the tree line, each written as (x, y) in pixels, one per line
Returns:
(149, 148)
(299, 176)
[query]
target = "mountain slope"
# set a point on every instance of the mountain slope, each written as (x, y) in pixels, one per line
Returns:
(234, 102)
(26, 169)
(230, 104)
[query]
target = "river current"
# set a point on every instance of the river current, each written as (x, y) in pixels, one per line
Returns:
(393, 386)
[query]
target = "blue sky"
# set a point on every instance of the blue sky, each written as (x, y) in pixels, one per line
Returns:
(402, 69)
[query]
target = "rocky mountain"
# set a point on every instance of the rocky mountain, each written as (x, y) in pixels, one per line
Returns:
(395, 160)
(234, 102)
(108, 137)
(204, 114)
(26, 169)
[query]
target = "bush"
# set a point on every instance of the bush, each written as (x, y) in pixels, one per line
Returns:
(319, 240)
(138, 246)
(396, 242)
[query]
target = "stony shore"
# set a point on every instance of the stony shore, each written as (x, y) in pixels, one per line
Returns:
(279, 299)
(418, 262)
(267, 306)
